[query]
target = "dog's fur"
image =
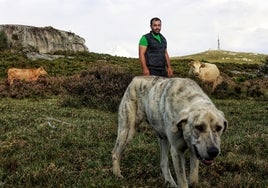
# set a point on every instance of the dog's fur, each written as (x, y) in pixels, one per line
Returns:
(183, 117)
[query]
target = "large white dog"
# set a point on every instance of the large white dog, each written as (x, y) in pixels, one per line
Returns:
(183, 117)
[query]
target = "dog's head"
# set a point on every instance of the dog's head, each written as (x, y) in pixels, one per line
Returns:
(202, 130)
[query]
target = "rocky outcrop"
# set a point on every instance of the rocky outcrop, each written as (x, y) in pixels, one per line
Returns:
(42, 39)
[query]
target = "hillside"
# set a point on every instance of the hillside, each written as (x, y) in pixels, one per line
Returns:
(59, 130)
(223, 56)
(65, 71)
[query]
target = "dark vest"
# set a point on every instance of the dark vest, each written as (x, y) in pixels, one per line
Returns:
(155, 53)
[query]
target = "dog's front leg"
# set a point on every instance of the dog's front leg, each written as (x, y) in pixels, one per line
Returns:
(194, 165)
(164, 148)
(179, 166)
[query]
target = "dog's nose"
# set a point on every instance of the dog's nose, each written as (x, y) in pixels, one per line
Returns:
(213, 152)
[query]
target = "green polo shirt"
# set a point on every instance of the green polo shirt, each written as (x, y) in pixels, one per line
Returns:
(144, 42)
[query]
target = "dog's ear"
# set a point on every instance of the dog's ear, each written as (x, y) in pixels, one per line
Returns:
(225, 123)
(181, 122)
(179, 125)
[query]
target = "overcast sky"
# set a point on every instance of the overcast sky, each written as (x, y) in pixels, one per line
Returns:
(115, 26)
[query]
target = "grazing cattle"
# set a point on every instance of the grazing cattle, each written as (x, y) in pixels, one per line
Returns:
(24, 74)
(206, 72)
(182, 116)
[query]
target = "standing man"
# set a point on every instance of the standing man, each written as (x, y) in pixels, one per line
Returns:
(153, 53)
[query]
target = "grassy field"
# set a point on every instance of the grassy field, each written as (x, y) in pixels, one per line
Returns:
(47, 143)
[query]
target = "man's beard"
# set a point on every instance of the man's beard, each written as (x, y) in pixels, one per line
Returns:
(156, 32)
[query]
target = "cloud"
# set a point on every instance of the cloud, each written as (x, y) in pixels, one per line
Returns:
(119, 50)
(115, 26)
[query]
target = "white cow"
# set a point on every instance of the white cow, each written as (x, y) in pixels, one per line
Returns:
(206, 72)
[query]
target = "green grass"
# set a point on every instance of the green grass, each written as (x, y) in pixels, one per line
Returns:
(45, 143)
(75, 149)
(223, 56)
(72, 150)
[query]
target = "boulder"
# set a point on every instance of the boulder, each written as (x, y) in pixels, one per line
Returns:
(42, 39)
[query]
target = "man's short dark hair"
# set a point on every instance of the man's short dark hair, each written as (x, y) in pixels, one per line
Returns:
(154, 19)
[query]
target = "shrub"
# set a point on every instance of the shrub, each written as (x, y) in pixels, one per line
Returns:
(41, 88)
(263, 69)
(100, 87)
(3, 41)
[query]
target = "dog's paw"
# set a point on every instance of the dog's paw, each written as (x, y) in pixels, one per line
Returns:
(116, 170)
(170, 184)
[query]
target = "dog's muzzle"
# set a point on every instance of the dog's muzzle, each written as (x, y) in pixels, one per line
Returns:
(213, 152)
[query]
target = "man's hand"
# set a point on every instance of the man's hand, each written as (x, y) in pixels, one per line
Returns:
(169, 72)
(145, 71)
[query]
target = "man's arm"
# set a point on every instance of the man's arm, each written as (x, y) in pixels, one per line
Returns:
(145, 70)
(169, 69)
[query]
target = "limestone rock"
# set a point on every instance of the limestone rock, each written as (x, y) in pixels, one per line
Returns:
(42, 39)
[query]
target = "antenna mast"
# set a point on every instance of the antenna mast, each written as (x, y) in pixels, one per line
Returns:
(219, 43)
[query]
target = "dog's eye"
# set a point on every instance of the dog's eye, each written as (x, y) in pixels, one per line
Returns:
(200, 128)
(218, 128)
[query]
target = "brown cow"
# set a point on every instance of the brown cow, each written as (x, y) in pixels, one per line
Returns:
(24, 74)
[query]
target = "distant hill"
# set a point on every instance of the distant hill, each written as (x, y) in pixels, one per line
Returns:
(223, 56)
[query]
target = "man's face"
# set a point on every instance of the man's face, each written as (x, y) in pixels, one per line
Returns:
(156, 27)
